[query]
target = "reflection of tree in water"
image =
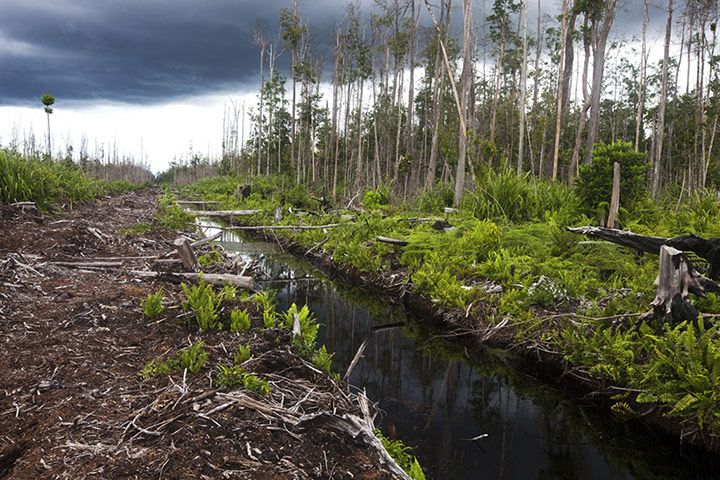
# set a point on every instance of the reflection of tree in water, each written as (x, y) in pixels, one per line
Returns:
(445, 452)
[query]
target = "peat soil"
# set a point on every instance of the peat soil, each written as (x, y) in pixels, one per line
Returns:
(73, 338)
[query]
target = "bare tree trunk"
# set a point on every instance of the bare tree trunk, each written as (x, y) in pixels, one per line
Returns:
(359, 164)
(523, 92)
(463, 130)
(437, 108)
(336, 85)
(409, 135)
(598, 69)
(466, 79)
(262, 42)
(663, 103)
(558, 112)
(496, 95)
(582, 114)
(641, 83)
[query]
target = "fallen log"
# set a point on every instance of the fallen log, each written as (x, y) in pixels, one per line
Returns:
(224, 213)
(283, 227)
(677, 275)
(87, 264)
(196, 202)
(709, 249)
(392, 241)
(219, 279)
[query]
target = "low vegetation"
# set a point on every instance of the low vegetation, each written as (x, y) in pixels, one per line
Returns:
(508, 262)
(46, 182)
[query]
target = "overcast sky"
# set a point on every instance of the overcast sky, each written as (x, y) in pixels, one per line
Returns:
(152, 72)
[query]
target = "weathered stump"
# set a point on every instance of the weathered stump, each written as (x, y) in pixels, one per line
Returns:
(185, 251)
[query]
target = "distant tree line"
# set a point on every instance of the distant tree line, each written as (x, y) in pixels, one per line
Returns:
(537, 99)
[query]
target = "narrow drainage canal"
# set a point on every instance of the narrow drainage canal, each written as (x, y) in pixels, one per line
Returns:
(483, 419)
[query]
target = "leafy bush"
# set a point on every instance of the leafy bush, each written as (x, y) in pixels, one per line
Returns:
(594, 184)
(202, 300)
(152, 305)
(266, 301)
(30, 178)
(373, 199)
(399, 452)
(501, 194)
(308, 325)
(257, 385)
(243, 353)
(229, 375)
(213, 256)
(193, 357)
(171, 215)
(239, 321)
(322, 359)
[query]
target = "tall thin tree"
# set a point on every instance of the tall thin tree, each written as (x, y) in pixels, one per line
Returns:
(663, 101)
(48, 101)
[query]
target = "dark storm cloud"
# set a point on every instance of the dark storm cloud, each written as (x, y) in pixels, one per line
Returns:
(150, 51)
(136, 51)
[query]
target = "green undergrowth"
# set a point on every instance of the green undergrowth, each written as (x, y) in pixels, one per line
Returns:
(46, 182)
(203, 310)
(399, 452)
(509, 258)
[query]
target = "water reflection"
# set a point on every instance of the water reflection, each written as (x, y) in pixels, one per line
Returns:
(465, 419)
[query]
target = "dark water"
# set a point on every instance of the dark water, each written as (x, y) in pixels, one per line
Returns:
(465, 419)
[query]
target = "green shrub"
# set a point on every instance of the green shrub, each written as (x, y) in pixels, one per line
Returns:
(202, 300)
(193, 357)
(239, 321)
(257, 385)
(213, 256)
(373, 199)
(399, 452)
(265, 300)
(243, 354)
(152, 305)
(229, 375)
(171, 215)
(323, 360)
(308, 325)
(594, 184)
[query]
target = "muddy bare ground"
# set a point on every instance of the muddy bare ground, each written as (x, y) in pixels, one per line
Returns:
(73, 339)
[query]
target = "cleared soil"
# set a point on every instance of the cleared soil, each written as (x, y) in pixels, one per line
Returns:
(73, 339)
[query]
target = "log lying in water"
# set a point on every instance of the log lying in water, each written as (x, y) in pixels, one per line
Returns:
(221, 279)
(196, 202)
(224, 213)
(283, 227)
(709, 248)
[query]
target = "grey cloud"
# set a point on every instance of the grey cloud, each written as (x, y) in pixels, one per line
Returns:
(132, 51)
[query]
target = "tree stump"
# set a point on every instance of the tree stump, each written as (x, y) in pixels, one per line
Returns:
(182, 245)
(671, 303)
